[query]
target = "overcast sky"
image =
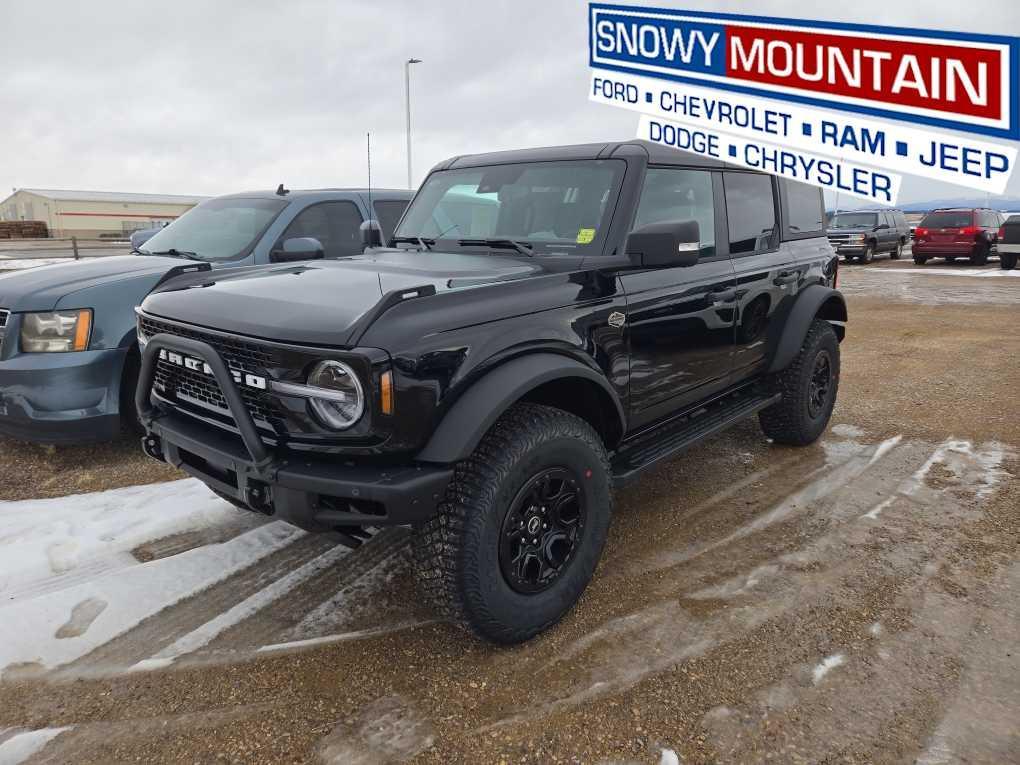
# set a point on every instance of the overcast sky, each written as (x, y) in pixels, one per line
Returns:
(213, 97)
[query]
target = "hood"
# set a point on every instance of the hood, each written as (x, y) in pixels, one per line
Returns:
(850, 230)
(321, 302)
(42, 288)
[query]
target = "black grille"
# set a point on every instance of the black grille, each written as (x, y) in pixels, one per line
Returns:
(195, 389)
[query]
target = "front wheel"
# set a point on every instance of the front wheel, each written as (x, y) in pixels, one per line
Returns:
(869, 254)
(808, 386)
(521, 529)
(1007, 261)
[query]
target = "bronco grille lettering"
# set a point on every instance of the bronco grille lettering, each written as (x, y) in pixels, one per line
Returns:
(197, 365)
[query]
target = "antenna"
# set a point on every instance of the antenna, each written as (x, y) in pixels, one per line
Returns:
(368, 152)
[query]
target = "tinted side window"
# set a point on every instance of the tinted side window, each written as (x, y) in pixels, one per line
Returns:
(388, 212)
(679, 195)
(335, 224)
(750, 212)
(803, 208)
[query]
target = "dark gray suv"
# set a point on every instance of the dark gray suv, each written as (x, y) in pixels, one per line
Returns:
(862, 234)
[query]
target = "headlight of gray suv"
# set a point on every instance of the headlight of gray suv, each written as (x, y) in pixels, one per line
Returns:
(56, 331)
(334, 393)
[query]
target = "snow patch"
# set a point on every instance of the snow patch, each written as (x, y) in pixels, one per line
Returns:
(669, 757)
(847, 431)
(28, 627)
(48, 544)
(828, 663)
(21, 746)
(875, 629)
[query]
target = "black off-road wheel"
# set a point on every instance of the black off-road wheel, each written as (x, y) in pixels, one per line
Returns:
(1007, 261)
(809, 386)
(919, 261)
(521, 529)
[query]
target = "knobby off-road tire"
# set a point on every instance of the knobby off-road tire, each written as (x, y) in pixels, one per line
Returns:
(803, 413)
(1007, 261)
(464, 555)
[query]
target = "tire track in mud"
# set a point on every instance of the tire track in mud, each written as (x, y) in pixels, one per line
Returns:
(160, 630)
(789, 571)
(277, 620)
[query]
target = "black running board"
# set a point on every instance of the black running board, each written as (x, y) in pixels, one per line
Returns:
(674, 437)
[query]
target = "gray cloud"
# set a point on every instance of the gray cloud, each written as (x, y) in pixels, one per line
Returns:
(213, 97)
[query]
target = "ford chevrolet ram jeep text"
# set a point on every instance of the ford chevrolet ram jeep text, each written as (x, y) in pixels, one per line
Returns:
(543, 326)
(68, 356)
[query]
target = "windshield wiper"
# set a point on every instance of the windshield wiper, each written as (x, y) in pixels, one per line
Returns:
(423, 244)
(525, 248)
(175, 253)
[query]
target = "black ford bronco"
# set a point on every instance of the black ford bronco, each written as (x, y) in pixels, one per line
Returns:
(544, 325)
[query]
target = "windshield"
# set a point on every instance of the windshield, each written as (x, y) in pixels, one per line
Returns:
(545, 205)
(219, 229)
(854, 220)
(954, 219)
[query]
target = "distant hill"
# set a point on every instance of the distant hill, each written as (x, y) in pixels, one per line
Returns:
(1005, 204)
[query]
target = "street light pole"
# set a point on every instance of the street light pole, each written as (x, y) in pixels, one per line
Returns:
(407, 105)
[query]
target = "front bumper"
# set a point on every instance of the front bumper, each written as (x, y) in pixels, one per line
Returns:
(314, 493)
(61, 398)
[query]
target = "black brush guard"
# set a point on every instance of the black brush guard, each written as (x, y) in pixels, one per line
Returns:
(309, 492)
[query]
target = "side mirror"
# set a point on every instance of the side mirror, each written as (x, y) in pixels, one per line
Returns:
(665, 244)
(299, 248)
(371, 234)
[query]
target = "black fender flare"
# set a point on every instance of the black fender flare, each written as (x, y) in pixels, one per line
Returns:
(814, 302)
(478, 408)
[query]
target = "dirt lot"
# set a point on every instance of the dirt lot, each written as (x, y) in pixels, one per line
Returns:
(854, 601)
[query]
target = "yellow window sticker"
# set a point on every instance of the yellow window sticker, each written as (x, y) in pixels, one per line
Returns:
(586, 236)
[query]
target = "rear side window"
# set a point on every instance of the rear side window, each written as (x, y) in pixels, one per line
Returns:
(751, 212)
(676, 195)
(804, 213)
(388, 212)
(948, 219)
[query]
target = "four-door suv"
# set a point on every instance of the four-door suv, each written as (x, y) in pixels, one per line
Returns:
(545, 325)
(957, 233)
(68, 356)
(862, 234)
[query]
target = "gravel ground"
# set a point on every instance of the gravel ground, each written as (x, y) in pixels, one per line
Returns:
(853, 601)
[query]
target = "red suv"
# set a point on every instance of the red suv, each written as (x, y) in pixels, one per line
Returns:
(957, 233)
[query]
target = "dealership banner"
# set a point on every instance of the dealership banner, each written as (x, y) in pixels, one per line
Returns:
(803, 86)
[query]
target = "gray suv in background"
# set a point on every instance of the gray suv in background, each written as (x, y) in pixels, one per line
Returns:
(862, 234)
(68, 351)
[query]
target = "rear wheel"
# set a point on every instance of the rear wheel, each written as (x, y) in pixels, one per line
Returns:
(520, 532)
(809, 386)
(919, 260)
(1007, 262)
(897, 251)
(980, 257)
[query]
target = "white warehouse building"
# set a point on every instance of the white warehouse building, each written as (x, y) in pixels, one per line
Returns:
(94, 214)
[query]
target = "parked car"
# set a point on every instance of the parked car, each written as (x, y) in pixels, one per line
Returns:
(140, 237)
(488, 379)
(957, 233)
(68, 354)
(862, 234)
(1008, 244)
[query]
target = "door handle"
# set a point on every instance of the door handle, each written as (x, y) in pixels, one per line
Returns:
(786, 277)
(723, 296)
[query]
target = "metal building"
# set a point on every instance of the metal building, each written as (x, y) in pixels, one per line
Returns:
(94, 214)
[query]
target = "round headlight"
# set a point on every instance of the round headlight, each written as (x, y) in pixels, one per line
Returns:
(342, 401)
